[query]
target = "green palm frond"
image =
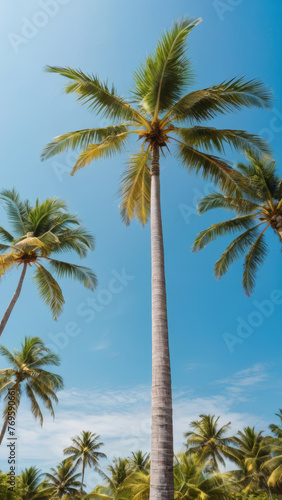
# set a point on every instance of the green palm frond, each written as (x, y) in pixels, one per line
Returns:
(221, 229)
(236, 248)
(136, 187)
(97, 95)
(228, 96)
(49, 290)
(16, 209)
(210, 167)
(35, 408)
(213, 138)
(253, 260)
(83, 274)
(78, 240)
(108, 147)
(5, 235)
(80, 138)
(218, 200)
(161, 79)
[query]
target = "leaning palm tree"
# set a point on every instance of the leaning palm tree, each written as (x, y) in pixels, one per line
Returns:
(63, 480)
(27, 371)
(85, 451)
(38, 231)
(154, 114)
(208, 439)
(258, 209)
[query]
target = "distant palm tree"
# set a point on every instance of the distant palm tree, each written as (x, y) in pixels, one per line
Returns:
(85, 451)
(259, 209)
(113, 489)
(28, 370)
(63, 480)
(251, 451)
(275, 429)
(139, 461)
(30, 485)
(39, 231)
(193, 482)
(208, 440)
(154, 114)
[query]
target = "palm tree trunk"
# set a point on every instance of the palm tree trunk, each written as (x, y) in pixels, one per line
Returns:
(3, 431)
(82, 476)
(161, 487)
(13, 301)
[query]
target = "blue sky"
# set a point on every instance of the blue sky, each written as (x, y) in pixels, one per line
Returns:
(106, 362)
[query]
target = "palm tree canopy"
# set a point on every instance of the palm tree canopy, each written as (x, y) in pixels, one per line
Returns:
(139, 461)
(37, 232)
(160, 112)
(28, 368)
(85, 449)
(208, 439)
(63, 480)
(258, 208)
(31, 486)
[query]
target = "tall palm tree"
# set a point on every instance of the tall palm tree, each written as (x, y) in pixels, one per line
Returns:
(208, 440)
(154, 114)
(85, 451)
(258, 209)
(39, 231)
(28, 370)
(30, 485)
(63, 480)
(194, 481)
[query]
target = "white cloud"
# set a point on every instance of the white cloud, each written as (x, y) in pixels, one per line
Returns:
(122, 418)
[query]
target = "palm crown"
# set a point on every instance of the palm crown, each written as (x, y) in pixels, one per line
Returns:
(158, 107)
(39, 231)
(208, 439)
(28, 369)
(258, 209)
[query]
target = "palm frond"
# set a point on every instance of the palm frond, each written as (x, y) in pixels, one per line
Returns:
(5, 235)
(210, 167)
(111, 145)
(161, 79)
(135, 188)
(224, 98)
(236, 248)
(97, 95)
(212, 138)
(221, 229)
(253, 260)
(17, 210)
(49, 290)
(83, 274)
(80, 139)
(218, 200)
(79, 240)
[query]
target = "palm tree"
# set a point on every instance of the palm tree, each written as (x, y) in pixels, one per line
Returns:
(159, 105)
(208, 439)
(28, 369)
(275, 429)
(63, 480)
(85, 451)
(31, 487)
(194, 481)
(39, 231)
(139, 461)
(259, 209)
(251, 452)
(113, 489)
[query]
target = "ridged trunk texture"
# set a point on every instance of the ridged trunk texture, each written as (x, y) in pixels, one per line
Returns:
(162, 487)
(13, 301)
